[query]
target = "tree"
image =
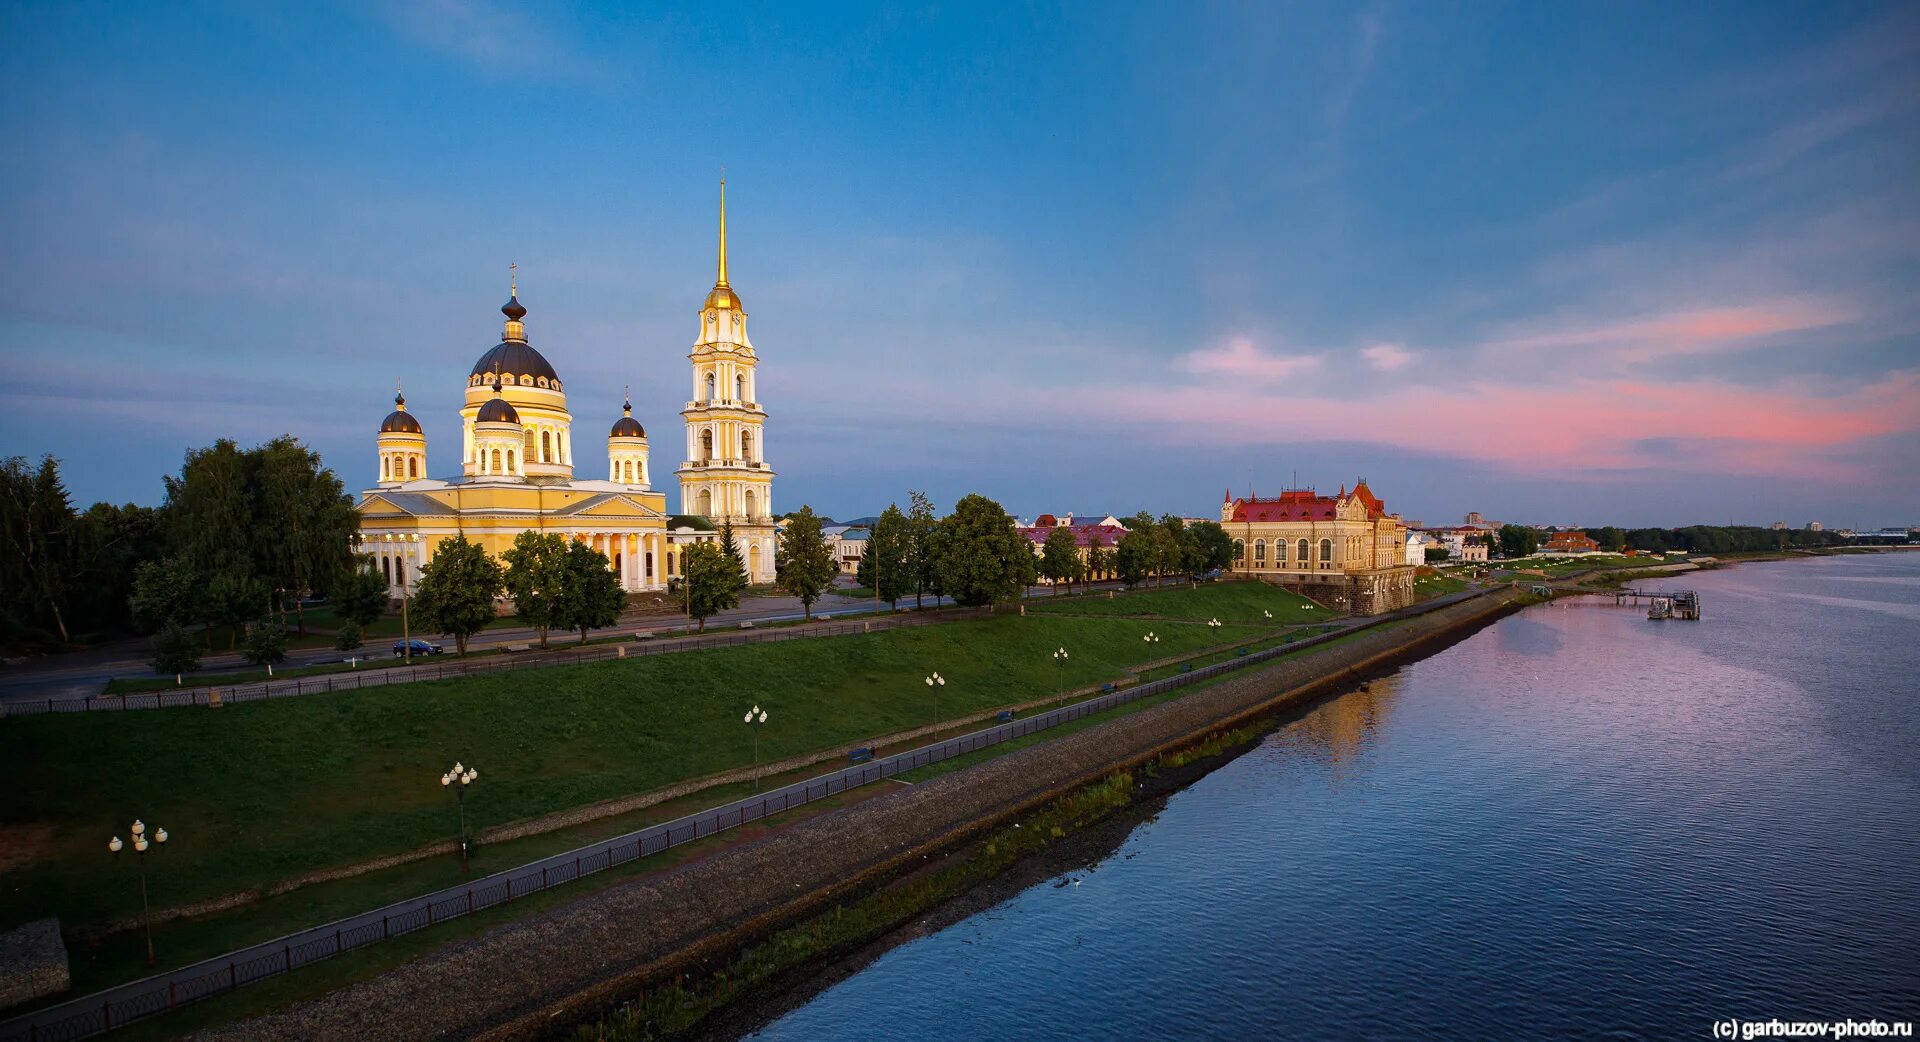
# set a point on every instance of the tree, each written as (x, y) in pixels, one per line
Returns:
(1436, 553)
(809, 560)
(1168, 553)
(922, 525)
(456, 591)
(1099, 561)
(175, 650)
(266, 642)
(234, 599)
(304, 522)
(348, 637)
(1518, 541)
(164, 592)
(361, 598)
(591, 597)
(890, 547)
(1059, 556)
(1215, 546)
(35, 523)
(730, 549)
(981, 558)
(536, 578)
(1611, 539)
(1133, 558)
(707, 582)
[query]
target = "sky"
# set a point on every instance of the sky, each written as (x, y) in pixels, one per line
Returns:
(1560, 263)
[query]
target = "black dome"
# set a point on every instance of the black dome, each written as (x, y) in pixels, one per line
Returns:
(497, 410)
(627, 427)
(513, 309)
(400, 421)
(515, 358)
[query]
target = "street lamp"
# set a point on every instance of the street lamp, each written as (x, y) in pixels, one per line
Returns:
(1267, 613)
(1060, 657)
(141, 844)
(1213, 624)
(756, 717)
(462, 777)
(936, 682)
(1151, 637)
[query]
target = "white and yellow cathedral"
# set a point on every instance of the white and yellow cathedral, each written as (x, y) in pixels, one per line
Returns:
(517, 457)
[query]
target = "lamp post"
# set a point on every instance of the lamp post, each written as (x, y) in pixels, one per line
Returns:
(141, 844)
(936, 682)
(406, 629)
(1060, 657)
(1213, 624)
(756, 718)
(458, 779)
(1151, 637)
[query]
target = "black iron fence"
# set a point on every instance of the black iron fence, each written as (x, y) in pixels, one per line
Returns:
(103, 1011)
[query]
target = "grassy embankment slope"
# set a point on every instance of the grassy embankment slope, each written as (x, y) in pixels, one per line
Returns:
(258, 793)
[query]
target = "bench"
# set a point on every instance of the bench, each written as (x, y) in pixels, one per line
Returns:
(1186, 667)
(1107, 688)
(512, 648)
(642, 634)
(1006, 715)
(747, 625)
(860, 755)
(1243, 652)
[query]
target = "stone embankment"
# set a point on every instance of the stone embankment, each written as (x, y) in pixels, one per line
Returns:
(525, 979)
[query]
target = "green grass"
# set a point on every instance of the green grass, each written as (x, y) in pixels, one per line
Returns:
(257, 793)
(1230, 602)
(1437, 586)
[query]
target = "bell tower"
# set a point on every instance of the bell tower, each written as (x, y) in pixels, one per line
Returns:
(725, 477)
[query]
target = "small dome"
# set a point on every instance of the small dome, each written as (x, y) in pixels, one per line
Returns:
(497, 410)
(513, 309)
(400, 421)
(626, 426)
(723, 296)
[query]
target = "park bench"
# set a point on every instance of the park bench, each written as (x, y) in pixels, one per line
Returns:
(642, 634)
(1006, 715)
(1107, 688)
(860, 755)
(513, 648)
(747, 625)
(1186, 667)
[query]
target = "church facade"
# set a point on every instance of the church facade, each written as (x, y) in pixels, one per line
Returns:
(518, 467)
(1344, 550)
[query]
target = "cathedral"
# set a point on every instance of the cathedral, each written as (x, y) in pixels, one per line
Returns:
(517, 462)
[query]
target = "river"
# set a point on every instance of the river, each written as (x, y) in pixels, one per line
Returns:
(1575, 823)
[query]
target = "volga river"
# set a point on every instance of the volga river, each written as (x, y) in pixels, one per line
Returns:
(1576, 823)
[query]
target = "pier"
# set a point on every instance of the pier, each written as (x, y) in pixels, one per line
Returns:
(1662, 604)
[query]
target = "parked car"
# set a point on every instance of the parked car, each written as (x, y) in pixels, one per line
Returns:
(418, 647)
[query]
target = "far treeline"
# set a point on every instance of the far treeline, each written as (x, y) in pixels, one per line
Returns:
(1519, 540)
(242, 536)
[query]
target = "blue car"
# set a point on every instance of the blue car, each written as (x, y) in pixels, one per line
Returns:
(418, 647)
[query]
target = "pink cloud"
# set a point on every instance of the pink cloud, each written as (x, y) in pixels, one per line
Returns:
(1388, 357)
(1707, 330)
(1240, 358)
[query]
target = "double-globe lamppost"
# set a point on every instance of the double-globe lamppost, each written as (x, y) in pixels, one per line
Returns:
(458, 779)
(936, 682)
(756, 718)
(141, 844)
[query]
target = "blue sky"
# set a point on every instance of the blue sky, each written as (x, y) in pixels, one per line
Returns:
(1563, 263)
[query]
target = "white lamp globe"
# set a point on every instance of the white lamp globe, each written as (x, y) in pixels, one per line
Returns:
(114, 844)
(160, 835)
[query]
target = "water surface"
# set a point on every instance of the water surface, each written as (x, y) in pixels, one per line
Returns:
(1576, 823)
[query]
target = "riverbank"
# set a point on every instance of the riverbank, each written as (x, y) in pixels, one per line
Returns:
(573, 964)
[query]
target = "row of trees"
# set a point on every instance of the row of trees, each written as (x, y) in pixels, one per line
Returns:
(1520, 540)
(64, 574)
(555, 583)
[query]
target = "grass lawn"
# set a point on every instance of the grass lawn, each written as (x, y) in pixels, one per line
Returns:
(371, 657)
(260, 792)
(1437, 586)
(1230, 602)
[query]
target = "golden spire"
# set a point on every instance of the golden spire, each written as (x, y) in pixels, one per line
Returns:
(723, 232)
(513, 278)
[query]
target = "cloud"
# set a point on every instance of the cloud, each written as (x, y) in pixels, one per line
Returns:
(1240, 358)
(1388, 357)
(495, 37)
(1650, 338)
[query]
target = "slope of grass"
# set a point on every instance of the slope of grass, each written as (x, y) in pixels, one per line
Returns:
(1230, 602)
(257, 793)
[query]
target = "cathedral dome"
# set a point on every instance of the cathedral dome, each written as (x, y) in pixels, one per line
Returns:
(516, 358)
(626, 426)
(399, 421)
(497, 409)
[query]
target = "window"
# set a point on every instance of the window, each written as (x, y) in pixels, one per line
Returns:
(510, 469)
(384, 464)
(706, 503)
(386, 569)
(706, 441)
(1301, 556)
(413, 466)
(750, 512)
(709, 387)
(1326, 550)
(746, 445)
(740, 387)
(546, 447)
(1260, 551)
(496, 461)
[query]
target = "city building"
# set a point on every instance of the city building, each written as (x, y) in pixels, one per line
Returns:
(848, 544)
(1090, 531)
(518, 466)
(1344, 550)
(1569, 542)
(1465, 546)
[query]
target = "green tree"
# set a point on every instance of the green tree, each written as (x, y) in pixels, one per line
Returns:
(922, 527)
(456, 591)
(1611, 539)
(1436, 553)
(1168, 553)
(303, 522)
(537, 577)
(233, 599)
(1214, 546)
(266, 642)
(348, 636)
(1518, 541)
(1060, 557)
(175, 650)
(591, 597)
(980, 557)
(809, 566)
(361, 598)
(1099, 561)
(707, 582)
(1133, 558)
(110, 544)
(36, 519)
(164, 591)
(730, 549)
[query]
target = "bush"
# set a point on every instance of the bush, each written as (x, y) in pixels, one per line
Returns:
(266, 643)
(175, 650)
(349, 637)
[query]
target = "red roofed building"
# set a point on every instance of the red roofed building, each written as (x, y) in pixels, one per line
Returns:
(1087, 535)
(1344, 550)
(1570, 543)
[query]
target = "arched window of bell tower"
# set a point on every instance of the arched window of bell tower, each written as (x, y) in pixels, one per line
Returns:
(706, 445)
(413, 466)
(709, 387)
(739, 387)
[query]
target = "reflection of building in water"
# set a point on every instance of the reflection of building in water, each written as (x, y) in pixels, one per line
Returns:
(1344, 725)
